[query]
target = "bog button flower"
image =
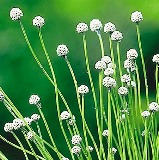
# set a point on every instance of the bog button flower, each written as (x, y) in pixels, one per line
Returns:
(132, 54)
(109, 27)
(153, 107)
(30, 135)
(1, 96)
(16, 14)
(105, 133)
(81, 28)
(123, 91)
(34, 99)
(155, 58)
(145, 114)
(62, 50)
(38, 21)
(65, 115)
(89, 148)
(17, 123)
(83, 89)
(35, 117)
(76, 139)
(125, 78)
(95, 25)
(136, 17)
(116, 36)
(76, 150)
(8, 127)
(106, 59)
(109, 72)
(109, 82)
(100, 65)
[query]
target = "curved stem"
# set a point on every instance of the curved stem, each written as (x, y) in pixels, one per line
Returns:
(119, 61)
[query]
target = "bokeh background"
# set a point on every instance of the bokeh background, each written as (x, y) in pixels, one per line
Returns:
(20, 76)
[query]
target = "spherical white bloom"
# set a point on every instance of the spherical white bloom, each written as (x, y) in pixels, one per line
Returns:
(106, 59)
(116, 36)
(17, 123)
(83, 89)
(76, 139)
(95, 25)
(89, 148)
(8, 127)
(64, 158)
(105, 133)
(27, 120)
(16, 14)
(122, 117)
(122, 91)
(38, 21)
(1, 96)
(132, 84)
(65, 115)
(109, 71)
(153, 107)
(62, 50)
(76, 150)
(145, 114)
(100, 65)
(156, 58)
(109, 27)
(132, 54)
(128, 64)
(136, 17)
(72, 120)
(125, 78)
(35, 117)
(109, 82)
(34, 99)
(111, 65)
(113, 150)
(81, 28)
(30, 135)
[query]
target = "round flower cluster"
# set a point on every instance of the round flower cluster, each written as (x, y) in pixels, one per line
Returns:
(1, 96)
(72, 120)
(18, 123)
(34, 99)
(35, 117)
(109, 82)
(136, 17)
(153, 107)
(83, 89)
(125, 78)
(111, 65)
(76, 150)
(65, 115)
(109, 27)
(8, 127)
(109, 72)
(38, 21)
(106, 59)
(105, 133)
(62, 50)
(16, 14)
(27, 120)
(30, 135)
(155, 58)
(81, 28)
(123, 91)
(116, 36)
(113, 150)
(132, 54)
(95, 25)
(129, 65)
(145, 114)
(100, 65)
(76, 139)
(132, 84)
(89, 148)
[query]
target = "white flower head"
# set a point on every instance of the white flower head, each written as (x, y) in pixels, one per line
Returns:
(17, 123)
(100, 65)
(113, 150)
(89, 148)
(65, 115)
(125, 78)
(81, 28)
(27, 120)
(38, 21)
(8, 127)
(145, 114)
(109, 72)
(132, 54)
(30, 135)
(136, 17)
(111, 65)
(128, 64)
(83, 89)
(109, 82)
(35, 117)
(122, 117)
(95, 25)
(72, 120)
(1, 96)
(155, 58)
(16, 14)
(106, 59)
(76, 139)
(62, 50)
(34, 99)
(109, 27)
(153, 107)
(64, 158)
(122, 91)
(132, 84)
(76, 150)
(105, 133)
(116, 36)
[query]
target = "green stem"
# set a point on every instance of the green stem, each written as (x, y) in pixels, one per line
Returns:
(101, 44)
(119, 60)
(156, 77)
(146, 142)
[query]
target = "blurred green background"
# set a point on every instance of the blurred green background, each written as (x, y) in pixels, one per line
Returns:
(20, 76)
